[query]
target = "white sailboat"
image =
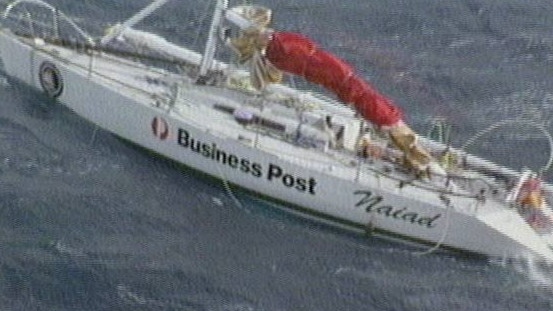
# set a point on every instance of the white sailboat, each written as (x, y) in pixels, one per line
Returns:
(313, 154)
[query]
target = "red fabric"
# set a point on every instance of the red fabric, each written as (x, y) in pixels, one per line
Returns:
(296, 54)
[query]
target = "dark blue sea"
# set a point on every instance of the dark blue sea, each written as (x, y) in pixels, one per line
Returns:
(90, 222)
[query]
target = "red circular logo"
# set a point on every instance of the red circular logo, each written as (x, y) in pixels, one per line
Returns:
(160, 128)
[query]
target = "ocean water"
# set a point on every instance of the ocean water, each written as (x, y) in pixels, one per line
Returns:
(89, 222)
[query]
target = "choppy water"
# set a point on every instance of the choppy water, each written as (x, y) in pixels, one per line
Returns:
(88, 222)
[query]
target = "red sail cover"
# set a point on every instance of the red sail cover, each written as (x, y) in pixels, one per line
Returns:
(296, 54)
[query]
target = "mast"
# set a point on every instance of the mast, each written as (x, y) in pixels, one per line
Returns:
(211, 44)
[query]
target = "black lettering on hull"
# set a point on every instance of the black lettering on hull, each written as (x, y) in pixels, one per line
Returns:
(373, 204)
(211, 151)
(274, 173)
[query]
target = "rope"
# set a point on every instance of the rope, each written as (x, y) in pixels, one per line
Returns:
(228, 189)
(444, 233)
(495, 126)
(93, 137)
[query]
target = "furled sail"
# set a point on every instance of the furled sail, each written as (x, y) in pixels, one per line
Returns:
(296, 54)
(269, 51)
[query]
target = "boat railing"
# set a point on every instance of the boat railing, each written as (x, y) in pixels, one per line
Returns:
(160, 100)
(38, 19)
(343, 166)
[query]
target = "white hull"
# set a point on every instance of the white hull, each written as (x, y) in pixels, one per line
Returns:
(115, 95)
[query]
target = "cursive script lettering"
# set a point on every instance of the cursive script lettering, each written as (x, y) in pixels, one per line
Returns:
(374, 204)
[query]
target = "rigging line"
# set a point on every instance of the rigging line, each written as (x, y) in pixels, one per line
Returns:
(444, 233)
(499, 124)
(111, 52)
(207, 10)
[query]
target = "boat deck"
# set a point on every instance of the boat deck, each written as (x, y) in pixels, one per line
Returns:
(180, 96)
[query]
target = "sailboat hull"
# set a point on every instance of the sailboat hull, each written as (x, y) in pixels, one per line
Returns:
(131, 101)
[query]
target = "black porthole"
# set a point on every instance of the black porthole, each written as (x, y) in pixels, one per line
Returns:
(50, 79)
